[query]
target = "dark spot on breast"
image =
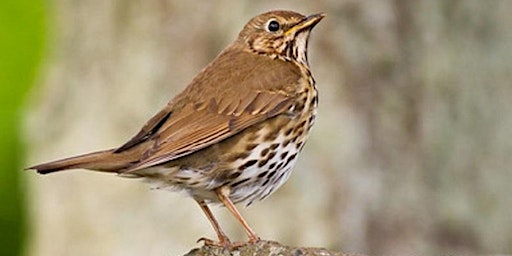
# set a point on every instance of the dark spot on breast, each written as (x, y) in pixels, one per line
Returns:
(274, 146)
(286, 142)
(272, 173)
(272, 165)
(311, 119)
(299, 134)
(290, 159)
(300, 126)
(271, 189)
(308, 72)
(234, 175)
(288, 132)
(264, 152)
(237, 156)
(265, 183)
(271, 155)
(314, 101)
(247, 164)
(245, 198)
(262, 174)
(281, 175)
(262, 162)
(280, 165)
(250, 146)
(299, 145)
(225, 183)
(240, 182)
(284, 154)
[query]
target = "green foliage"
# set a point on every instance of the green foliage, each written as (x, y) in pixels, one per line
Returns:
(22, 33)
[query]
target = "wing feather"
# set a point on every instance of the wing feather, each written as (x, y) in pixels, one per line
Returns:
(204, 114)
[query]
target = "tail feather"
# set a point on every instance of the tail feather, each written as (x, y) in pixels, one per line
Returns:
(106, 161)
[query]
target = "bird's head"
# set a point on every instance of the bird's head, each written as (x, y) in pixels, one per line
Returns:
(279, 34)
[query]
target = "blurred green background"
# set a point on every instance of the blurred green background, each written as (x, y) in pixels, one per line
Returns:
(22, 38)
(410, 154)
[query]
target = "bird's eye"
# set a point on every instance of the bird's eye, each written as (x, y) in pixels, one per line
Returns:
(273, 26)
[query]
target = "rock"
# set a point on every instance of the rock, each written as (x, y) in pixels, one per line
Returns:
(263, 248)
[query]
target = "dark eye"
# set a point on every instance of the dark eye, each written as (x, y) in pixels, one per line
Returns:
(273, 26)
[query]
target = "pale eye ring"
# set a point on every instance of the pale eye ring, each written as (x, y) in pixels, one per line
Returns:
(273, 25)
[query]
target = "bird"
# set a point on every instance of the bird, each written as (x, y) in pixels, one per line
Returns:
(233, 134)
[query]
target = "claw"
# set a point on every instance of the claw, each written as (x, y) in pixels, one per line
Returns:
(225, 243)
(253, 240)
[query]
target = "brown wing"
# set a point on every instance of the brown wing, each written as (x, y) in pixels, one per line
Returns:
(228, 96)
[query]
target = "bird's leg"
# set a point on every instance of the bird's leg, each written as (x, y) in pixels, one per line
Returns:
(223, 239)
(223, 195)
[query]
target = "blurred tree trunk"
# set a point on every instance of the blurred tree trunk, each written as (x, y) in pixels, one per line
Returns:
(431, 97)
(410, 154)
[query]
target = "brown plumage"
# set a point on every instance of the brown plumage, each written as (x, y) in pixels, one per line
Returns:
(233, 134)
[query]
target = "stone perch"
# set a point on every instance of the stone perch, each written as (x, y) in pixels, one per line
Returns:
(270, 248)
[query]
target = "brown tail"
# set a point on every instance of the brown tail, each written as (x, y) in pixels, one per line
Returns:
(106, 161)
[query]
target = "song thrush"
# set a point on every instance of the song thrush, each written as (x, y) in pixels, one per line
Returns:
(234, 133)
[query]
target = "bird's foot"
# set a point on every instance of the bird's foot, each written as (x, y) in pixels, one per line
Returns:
(225, 243)
(253, 240)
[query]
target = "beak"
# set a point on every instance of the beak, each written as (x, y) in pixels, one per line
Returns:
(308, 23)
